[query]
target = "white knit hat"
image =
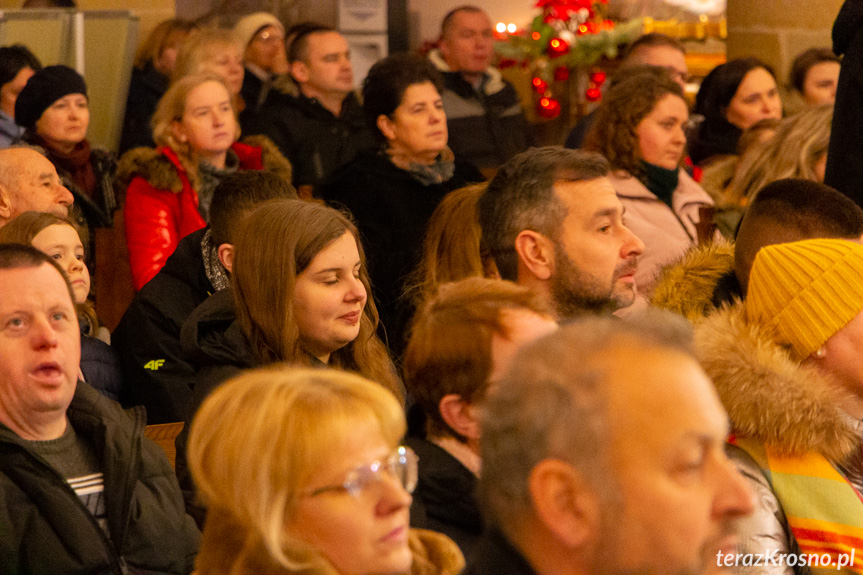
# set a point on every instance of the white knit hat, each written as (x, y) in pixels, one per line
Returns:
(246, 28)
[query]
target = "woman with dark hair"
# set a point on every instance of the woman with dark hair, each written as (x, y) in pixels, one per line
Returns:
(152, 69)
(733, 96)
(640, 127)
(17, 65)
(814, 76)
(54, 110)
(299, 295)
(393, 192)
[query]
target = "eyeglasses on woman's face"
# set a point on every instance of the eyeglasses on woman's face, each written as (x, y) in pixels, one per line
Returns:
(400, 464)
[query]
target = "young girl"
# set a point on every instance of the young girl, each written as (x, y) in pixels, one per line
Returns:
(59, 239)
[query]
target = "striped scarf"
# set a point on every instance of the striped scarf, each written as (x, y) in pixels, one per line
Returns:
(824, 511)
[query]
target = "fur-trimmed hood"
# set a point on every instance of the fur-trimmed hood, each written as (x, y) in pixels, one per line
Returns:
(492, 85)
(687, 287)
(793, 408)
(163, 172)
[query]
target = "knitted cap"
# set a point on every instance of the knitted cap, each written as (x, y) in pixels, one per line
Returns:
(806, 291)
(246, 28)
(43, 89)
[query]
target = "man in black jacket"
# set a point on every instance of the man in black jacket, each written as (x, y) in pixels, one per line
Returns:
(485, 120)
(81, 489)
(323, 127)
(156, 375)
(603, 452)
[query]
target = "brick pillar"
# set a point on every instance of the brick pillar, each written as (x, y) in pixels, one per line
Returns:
(777, 30)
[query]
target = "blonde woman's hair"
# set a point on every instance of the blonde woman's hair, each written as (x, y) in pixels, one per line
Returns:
(201, 46)
(258, 440)
(799, 143)
(153, 46)
(274, 245)
(172, 108)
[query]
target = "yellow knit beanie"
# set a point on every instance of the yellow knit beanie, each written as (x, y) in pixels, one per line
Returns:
(806, 291)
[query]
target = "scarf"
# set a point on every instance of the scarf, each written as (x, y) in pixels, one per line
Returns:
(439, 172)
(823, 510)
(216, 272)
(75, 165)
(661, 181)
(209, 177)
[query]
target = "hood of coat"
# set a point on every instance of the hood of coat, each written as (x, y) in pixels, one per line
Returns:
(162, 168)
(211, 334)
(687, 286)
(793, 408)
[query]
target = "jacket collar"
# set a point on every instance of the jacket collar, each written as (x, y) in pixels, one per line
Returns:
(492, 83)
(794, 409)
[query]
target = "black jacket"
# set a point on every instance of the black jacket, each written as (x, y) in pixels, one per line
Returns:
(100, 365)
(44, 527)
(314, 140)
(157, 375)
(217, 349)
(391, 209)
(145, 90)
(496, 556)
(445, 499)
(844, 168)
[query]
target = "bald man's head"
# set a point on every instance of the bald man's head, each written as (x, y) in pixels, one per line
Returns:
(29, 182)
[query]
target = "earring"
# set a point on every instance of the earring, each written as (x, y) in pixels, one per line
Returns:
(819, 353)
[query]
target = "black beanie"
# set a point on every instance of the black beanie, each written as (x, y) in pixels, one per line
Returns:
(43, 89)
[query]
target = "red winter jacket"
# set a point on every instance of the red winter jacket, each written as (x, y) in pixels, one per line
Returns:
(157, 217)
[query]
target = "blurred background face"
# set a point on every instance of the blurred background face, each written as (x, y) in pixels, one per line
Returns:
(168, 57)
(64, 124)
(266, 47)
(9, 91)
(661, 134)
(417, 128)
(757, 98)
(62, 243)
(208, 123)
(227, 62)
(819, 87)
(327, 70)
(666, 57)
(468, 45)
(362, 534)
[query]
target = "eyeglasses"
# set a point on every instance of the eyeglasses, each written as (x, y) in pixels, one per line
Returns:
(401, 464)
(269, 37)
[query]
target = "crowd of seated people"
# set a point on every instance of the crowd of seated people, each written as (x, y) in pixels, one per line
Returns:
(399, 340)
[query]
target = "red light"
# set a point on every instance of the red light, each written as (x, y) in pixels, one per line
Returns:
(535, 35)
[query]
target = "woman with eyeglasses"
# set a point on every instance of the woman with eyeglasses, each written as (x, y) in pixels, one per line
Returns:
(641, 128)
(303, 473)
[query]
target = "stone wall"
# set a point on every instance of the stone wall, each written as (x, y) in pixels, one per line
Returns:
(777, 30)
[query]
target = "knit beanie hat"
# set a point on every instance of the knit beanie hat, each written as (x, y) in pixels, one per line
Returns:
(246, 28)
(43, 89)
(806, 291)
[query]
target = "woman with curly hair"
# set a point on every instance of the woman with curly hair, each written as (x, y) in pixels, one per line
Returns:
(640, 128)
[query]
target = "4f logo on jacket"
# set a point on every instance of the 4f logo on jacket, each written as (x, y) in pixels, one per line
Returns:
(154, 364)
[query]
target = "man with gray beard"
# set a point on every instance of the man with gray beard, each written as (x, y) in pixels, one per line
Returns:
(552, 222)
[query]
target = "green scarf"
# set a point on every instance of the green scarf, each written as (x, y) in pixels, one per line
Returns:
(661, 181)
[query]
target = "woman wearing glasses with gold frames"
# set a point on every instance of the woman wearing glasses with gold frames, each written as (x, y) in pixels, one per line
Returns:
(302, 472)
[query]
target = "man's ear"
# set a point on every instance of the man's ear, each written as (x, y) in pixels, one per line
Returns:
(6, 207)
(536, 253)
(460, 415)
(226, 255)
(300, 71)
(566, 505)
